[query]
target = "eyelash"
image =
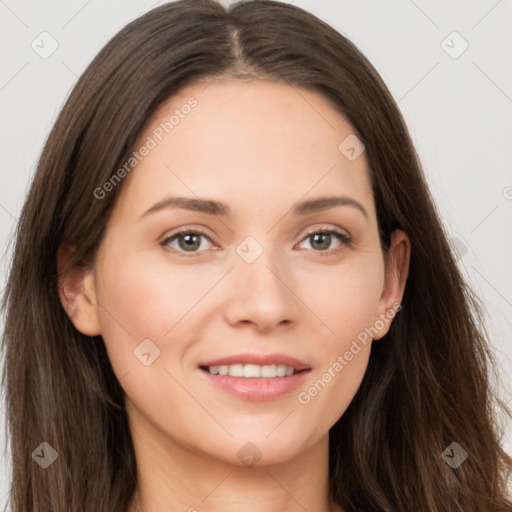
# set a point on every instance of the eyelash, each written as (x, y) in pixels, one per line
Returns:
(344, 239)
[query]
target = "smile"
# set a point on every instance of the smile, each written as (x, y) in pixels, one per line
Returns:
(256, 377)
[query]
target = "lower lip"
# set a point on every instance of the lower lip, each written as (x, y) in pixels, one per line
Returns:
(257, 389)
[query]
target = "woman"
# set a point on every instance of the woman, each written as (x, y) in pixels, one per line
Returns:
(240, 292)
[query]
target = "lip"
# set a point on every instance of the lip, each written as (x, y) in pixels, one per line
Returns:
(261, 359)
(257, 389)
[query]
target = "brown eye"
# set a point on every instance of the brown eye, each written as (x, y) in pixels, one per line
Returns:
(321, 241)
(187, 241)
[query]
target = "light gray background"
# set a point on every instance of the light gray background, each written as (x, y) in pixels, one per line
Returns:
(458, 111)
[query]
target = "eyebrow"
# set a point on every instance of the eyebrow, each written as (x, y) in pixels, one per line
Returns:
(212, 207)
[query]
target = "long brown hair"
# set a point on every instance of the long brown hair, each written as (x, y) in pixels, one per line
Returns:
(429, 380)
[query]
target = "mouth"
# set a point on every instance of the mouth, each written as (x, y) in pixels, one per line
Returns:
(256, 377)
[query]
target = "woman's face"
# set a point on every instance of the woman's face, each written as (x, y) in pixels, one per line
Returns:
(265, 272)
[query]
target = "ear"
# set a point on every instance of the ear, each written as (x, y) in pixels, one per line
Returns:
(394, 283)
(77, 292)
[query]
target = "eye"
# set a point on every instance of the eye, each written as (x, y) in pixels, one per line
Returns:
(322, 240)
(188, 241)
(191, 241)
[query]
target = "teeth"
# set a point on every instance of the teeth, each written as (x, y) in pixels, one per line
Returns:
(248, 371)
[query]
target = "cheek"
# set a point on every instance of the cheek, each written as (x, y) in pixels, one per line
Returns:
(349, 307)
(326, 397)
(342, 362)
(142, 296)
(346, 299)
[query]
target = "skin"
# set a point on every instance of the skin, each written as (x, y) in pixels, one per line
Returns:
(259, 147)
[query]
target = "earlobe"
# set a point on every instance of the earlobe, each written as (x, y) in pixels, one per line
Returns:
(395, 280)
(76, 287)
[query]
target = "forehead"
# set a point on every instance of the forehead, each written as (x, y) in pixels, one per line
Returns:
(245, 142)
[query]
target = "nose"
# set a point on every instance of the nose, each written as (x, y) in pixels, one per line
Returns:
(262, 294)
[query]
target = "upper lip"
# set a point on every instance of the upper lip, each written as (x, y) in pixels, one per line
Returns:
(260, 359)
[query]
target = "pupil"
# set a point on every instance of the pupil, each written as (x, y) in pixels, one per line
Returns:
(326, 238)
(189, 241)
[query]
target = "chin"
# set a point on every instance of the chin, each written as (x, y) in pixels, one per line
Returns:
(263, 450)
